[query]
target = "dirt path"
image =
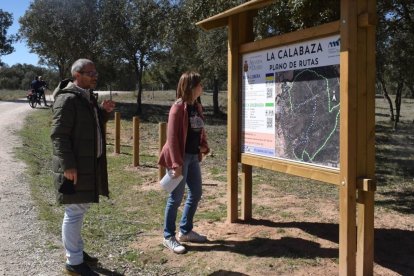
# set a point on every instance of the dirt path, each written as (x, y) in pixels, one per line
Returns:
(25, 247)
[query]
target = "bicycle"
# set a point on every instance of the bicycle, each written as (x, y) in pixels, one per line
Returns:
(34, 98)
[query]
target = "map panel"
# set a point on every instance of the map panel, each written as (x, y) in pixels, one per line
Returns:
(307, 115)
(290, 102)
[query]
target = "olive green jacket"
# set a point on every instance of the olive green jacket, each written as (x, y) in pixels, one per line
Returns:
(74, 138)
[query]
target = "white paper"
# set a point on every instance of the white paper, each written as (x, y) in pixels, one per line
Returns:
(169, 183)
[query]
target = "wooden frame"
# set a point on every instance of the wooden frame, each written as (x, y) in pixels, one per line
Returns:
(355, 178)
(301, 35)
(317, 173)
(322, 174)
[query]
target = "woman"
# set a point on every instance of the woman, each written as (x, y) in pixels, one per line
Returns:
(182, 153)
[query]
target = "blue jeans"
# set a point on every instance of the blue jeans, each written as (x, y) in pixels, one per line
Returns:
(191, 176)
(71, 232)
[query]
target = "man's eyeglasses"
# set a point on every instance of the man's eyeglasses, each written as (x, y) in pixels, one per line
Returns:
(90, 73)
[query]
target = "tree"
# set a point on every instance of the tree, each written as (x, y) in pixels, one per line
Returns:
(282, 17)
(132, 31)
(179, 43)
(288, 16)
(382, 60)
(6, 20)
(61, 31)
(395, 51)
(193, 48)
(213, 53)
(19, 76)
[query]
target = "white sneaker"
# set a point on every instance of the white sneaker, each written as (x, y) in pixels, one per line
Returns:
(172, 244)
(191, 236)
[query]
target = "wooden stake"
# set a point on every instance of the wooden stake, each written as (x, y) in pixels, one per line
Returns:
(117, 133)
(135, 148)
(162, 134)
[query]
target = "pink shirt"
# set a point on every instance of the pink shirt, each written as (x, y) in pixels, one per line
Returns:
(172, 153)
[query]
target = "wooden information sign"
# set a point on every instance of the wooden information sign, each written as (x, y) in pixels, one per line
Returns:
(303, 103)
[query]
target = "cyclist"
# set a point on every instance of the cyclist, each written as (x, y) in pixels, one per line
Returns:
(38, 86)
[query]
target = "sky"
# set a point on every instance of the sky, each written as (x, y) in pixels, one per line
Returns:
(21, 53)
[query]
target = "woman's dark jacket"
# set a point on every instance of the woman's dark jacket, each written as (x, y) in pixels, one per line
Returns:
(74, 138)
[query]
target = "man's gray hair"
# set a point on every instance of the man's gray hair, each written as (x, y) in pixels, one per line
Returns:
(78, 65)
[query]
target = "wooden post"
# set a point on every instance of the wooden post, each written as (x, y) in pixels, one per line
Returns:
(246, 205)
(162, 134)
(357, 124)
(246, 210)
(365, 235)
(240, 31)
(135, 148)
(366, 136)
(232, 119)
(348, 138)
(117, 147)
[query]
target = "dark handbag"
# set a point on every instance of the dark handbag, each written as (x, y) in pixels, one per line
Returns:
(67, 187)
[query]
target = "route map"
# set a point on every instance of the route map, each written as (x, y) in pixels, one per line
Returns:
(307, 115)
(290, 102)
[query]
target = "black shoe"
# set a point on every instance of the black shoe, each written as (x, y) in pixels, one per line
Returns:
(89, 259)
(82, 269)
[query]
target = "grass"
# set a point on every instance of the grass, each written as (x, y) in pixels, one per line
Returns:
(36, 152)
(394, 158)
(10, 95)
(135, 208)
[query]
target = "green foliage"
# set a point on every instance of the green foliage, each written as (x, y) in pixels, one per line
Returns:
(19, 76)
(138, 44)
(6, 20)
(287, 16)
(61, 31)
(395, 44)
(12, 95)
(132, 32)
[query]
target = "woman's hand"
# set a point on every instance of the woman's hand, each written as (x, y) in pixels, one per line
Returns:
(176, 172)
(203, 149)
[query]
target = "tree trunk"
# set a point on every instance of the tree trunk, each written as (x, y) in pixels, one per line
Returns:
(411, 88)
(215, 97)
(138, 73)
(398, 103)
(61, 69)
(61, 73)
(139, 96)
(387, 98)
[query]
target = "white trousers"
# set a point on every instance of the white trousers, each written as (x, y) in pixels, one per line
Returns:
(71, 232)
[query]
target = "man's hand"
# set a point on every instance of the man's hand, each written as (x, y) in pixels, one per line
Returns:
(71, 174)
(108, 105)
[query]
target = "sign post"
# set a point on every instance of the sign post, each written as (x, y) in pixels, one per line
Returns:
(303, 103)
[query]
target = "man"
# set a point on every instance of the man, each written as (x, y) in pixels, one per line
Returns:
(79, 157)
(38, 86)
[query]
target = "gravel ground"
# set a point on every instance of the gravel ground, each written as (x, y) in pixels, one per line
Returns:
(25, 247)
